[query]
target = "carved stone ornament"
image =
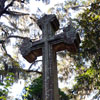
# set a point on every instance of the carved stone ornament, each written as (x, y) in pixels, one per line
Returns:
(25, 50)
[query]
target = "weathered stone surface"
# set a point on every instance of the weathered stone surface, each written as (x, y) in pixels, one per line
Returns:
(26, 46)
(52, 20)
(48, 46)
(25, 50)
(71, 35)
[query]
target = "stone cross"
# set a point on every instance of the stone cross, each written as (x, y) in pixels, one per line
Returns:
(47, 47)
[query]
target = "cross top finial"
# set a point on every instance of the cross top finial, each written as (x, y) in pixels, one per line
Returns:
(49, 19)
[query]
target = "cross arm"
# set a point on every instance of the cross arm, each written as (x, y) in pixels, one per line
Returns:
(62, 42)
(59, 42)
(31, 50)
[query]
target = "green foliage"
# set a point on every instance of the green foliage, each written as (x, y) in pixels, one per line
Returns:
(5, 85)
(88, 59)
(34, 91)
(63, 96)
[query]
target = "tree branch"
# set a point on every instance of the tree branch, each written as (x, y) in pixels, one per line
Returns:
(16, 36)
(18, 70)
(2, 41)
(15, 13)
(79, 6)
(33, 63)
(11, 36)
(4, 10)
(10, 4)
(36, 71)
(3, 45)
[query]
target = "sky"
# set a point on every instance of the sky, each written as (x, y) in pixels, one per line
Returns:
(16, 89)
(44, 8)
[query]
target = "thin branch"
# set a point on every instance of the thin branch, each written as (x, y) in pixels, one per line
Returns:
(4, 10)
(82, 6)
(34, 63)
(10, 4)
(16, 36)
(11, 36)
(76, 7)
(20, 37)
(15, 13)
(3, 45)
(23, 70)
(36, 71)
(2, 41)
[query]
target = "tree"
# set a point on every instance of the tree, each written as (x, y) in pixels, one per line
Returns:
(87, 61)
(16, 25)
(13, 24)
(34, 91)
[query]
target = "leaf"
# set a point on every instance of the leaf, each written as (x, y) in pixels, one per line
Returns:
(1, 83)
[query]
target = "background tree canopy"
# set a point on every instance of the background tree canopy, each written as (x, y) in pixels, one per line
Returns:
(17, 23)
